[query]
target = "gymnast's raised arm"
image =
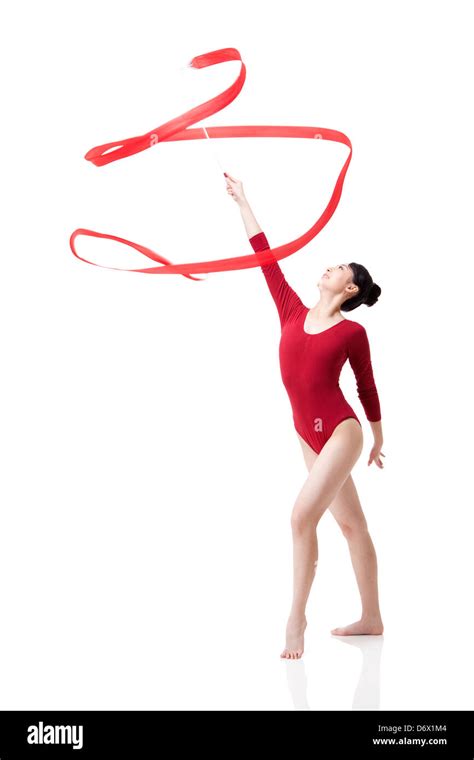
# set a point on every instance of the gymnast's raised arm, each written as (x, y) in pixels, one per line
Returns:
(286, 300)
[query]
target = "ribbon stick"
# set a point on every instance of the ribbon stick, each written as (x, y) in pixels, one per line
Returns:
(183, 71)
(178, 129)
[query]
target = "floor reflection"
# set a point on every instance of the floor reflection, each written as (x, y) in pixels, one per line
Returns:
(367, 691)
(297, 683)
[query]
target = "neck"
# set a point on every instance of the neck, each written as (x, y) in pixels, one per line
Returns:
(327, 307)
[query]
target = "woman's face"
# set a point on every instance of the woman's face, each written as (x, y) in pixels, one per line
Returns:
(338, 279)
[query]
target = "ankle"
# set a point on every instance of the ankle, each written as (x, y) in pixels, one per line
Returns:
(297, 618)
(371, 616)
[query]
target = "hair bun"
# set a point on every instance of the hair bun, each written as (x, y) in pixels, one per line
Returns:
(373, 294)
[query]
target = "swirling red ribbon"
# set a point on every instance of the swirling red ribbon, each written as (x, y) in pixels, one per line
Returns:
(177, 129)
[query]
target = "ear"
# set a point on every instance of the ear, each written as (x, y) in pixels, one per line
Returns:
(352, 289)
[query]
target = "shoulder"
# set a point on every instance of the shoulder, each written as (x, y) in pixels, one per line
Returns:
(354, 328)
(356, 336)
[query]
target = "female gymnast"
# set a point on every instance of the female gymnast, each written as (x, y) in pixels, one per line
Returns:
(314, 345)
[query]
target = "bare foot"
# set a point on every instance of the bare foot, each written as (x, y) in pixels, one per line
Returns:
(369, 626)
(294, 639)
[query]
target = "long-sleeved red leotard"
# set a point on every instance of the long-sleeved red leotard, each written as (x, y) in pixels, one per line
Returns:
(311, 364)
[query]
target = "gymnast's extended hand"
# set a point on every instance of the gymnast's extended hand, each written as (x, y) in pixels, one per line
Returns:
(235, 189)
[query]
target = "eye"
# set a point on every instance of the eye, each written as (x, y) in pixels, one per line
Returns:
(341, 266)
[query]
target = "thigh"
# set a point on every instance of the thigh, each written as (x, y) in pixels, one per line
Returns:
(330, 469)
(309, 454)
(347, 509)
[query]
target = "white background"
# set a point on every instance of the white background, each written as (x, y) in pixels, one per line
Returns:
(149, 462)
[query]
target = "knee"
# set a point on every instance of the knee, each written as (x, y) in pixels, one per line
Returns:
(301, 521)
(353, 530)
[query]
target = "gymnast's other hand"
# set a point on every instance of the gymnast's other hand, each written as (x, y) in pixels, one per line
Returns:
(375, 455)
(235, 189)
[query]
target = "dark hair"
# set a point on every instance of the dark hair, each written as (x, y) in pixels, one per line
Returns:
(368, 292)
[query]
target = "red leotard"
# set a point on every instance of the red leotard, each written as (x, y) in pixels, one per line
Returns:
(311, 363)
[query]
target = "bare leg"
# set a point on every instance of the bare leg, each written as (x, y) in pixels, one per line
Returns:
(326, 476)
(347, 510)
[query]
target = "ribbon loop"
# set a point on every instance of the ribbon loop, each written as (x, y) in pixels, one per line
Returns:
(178, 129)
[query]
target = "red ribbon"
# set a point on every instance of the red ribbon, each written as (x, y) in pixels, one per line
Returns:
(177, 129)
